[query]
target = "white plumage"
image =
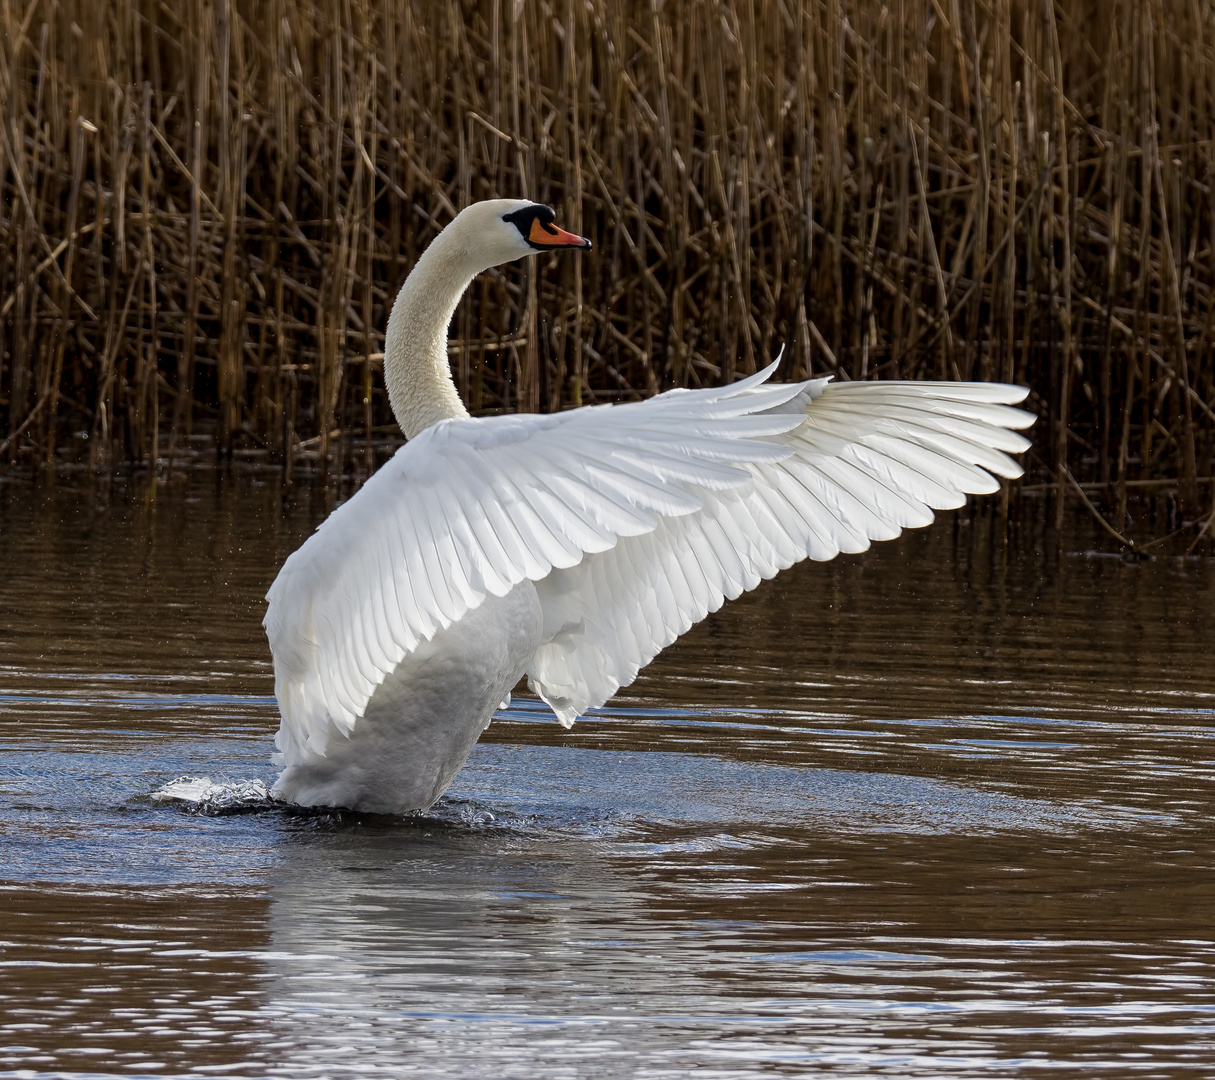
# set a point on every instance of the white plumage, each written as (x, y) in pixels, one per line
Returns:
(574, 547)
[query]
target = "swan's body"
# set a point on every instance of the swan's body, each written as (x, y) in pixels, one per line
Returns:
(573, 547)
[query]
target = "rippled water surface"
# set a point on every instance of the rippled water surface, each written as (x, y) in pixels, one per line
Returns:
(940, 809)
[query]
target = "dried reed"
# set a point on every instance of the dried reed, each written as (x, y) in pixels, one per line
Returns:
(208, 208)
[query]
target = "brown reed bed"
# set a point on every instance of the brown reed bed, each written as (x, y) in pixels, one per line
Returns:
(208, 207)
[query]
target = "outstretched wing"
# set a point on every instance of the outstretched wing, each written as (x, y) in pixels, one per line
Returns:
(635, 521)
(470, 508)
(865, 461)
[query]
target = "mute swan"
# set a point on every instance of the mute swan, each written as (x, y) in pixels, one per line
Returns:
(572, 548)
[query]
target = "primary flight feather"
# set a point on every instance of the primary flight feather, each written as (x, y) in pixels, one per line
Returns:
(572, 548)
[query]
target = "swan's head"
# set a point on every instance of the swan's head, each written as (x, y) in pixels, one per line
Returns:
(502, 230)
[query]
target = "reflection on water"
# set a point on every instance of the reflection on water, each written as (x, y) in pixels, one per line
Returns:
(941, 809)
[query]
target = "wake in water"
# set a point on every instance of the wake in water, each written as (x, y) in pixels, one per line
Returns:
(202, 795)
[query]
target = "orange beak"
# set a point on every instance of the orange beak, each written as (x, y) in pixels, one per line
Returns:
(550, 236)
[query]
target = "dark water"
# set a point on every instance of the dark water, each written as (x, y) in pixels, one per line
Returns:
(941, 809)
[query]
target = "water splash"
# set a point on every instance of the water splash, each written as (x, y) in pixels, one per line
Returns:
(202, 795)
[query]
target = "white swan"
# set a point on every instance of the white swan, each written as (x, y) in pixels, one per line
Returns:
(572, 548)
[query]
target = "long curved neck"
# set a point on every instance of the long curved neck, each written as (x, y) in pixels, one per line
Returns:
(416, 367)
